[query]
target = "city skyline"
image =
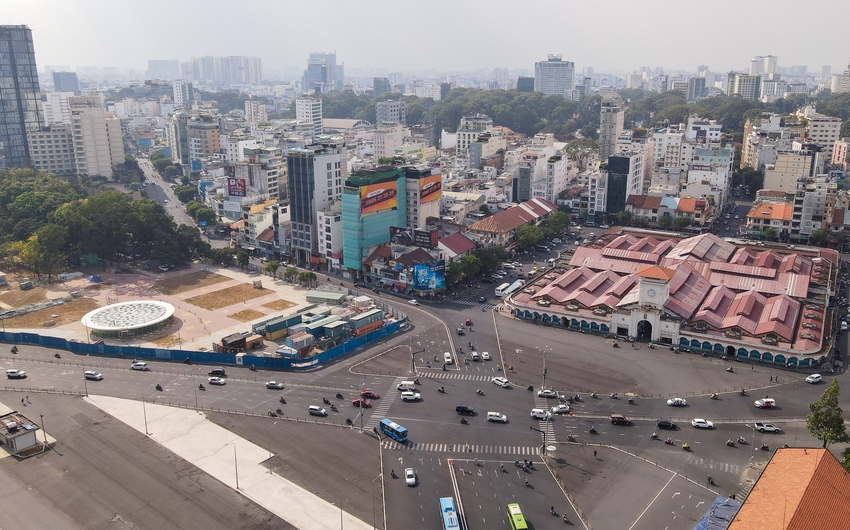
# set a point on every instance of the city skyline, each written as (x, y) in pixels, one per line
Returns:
(655, 33)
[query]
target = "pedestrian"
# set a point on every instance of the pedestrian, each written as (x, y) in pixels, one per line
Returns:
(22, 402)
(594, 454)
(752, 367)
(28, 400)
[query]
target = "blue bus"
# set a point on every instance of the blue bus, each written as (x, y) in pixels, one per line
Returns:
(447, 509)
(393, 430)
(513, 288)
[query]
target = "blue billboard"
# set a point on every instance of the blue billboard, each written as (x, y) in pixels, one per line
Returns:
(196, 165)
(429, 276)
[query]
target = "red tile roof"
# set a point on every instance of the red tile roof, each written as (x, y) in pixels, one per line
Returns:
(659, 273)
(458, 243)
(646, 202)
(266, 236)
(772, 211)
(380, 252)
(799, 489)
(514, 217)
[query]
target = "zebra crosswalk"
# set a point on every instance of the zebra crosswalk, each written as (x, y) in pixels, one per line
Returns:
(546, 426)
(380, 411)
(460, 448)
(447, 376)
(714, 465)
(473, 303)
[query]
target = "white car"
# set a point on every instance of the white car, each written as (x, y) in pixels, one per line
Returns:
(410, 477)
(561, 409)
(220, 381)
(502, 382)
(410, 396)
(274, 385)
(843, 325)
(814, 378)
(497, 417)
(557, 241)
(700, 423)
(447, 358)
(485, 356)
(316, 410)
(93, 376)
(677, 402)
(142, 367)
(540, 414)
(766, 403)
(413, 302)
(15, 374)
(547, 393)
(163, 268)
(517, 264)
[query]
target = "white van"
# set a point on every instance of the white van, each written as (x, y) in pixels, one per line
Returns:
(406, 386)
(447, 358)
(551, 262)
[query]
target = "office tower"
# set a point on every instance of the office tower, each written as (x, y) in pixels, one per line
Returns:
(611, 119)
(696, 88)
(316, 174)
(525, 84)
(65, 82)
(445, 88)
(322, 74)
(380, 86)
(554, 77)
(231, 70)
(746, 86)
(255, 111)
(163, 69)
(184, 94)
(310, 110)
(391, 111)
(98, 142)
(55, 107)
(20, 101)
(757, 65)
(771, 64)
(663, 83)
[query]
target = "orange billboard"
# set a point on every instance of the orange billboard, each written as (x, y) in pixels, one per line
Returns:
(430, 188)
(378, 197)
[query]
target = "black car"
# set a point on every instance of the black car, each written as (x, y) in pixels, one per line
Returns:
(217, 372)
(482, 299)
(666, 424)
(465, 410)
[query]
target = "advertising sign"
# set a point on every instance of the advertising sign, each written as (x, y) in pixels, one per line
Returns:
(430, 188)
(196, 165)
(378, 197)
(429, 276)
(236, 187)
(411, 237)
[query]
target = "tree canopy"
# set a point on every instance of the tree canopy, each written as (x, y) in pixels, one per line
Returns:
(826, 420)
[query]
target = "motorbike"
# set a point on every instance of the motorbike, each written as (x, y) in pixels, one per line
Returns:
(576, 398)
(571, 438)
(339, 395)
(326, 401)
(416, 381)
(742, 440)
(730, 443)
(710, 480)
(187, 361)
(530, 388)
(613, 395)
(715, 396)
(272, 414)
(730, 369)
(348, 421)
(592, 430)
(764, 447)
(279, 411)
(526, 482)
(654, 436)
(14, 349)
(252, 368)
(686, 447)
(652, 346)
(669, 441)
(444, 367)
(201, 387)
(743, 392)
(594, 395)
(159, 387)
(282, 400)
(463, 421)
(615, 345)
(441, 390)
(57, 355)
(479, 392)
(631, 401)
(333, 408)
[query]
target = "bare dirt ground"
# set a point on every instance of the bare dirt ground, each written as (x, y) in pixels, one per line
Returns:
(67, 313)
(279, 305)
(13, 298)
(246, 315)
(228, 296)
(188, 282)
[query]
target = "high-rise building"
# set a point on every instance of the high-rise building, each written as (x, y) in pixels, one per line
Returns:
(322, 74)
(52, 149)
(391, 111)
(19, 93)
(55, 107)
(231, 70)
(469, 129)
(380, 86)
(65, 82)
(184, 94)
(255, 111)
(264, 171)
(554, 77)
(525, 84)
(310, 110)
(98, 141)
(611, 120)
(387, 139)
(746, 86)
(163, 69)
(316, 174)
(445, 88)
(204, 135)
(696, 89)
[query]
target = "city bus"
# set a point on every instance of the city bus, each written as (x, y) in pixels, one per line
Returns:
(516, 518)
(500, 290)
(513, 287)
(450, 519)
(393, 430)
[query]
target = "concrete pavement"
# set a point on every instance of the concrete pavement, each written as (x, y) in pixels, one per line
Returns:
(189, 435)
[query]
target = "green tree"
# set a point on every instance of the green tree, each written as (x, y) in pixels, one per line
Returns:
(185, 194)
(825, 420)
(665, 222)
(528, 235)
(290, 273)
(623, 217)
(307, 278)
(819, 237)
(684, 221)
(471, 265)
(207, 215)
(172, 171)
(160, 164)
(242, 259)
(272, 268)
(589, 131)
(769, 233)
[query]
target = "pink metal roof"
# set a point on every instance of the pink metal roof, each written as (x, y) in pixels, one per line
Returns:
(707, 247)
(716, 305)
(687, 290)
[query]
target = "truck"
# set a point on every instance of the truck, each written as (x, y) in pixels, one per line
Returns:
(767, 427)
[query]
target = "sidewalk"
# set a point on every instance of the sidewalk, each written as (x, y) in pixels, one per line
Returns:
(189, 435)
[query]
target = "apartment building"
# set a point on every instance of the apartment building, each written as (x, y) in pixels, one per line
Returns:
(52, 149)
(98, 141)
(391, 111)
(610, 124)
(255, 111)
(387, 140)
(791, 167)
(555, 77)
(310, 110)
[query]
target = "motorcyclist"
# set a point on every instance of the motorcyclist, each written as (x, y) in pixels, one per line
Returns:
(592, 429)
(654, 435)
(668, 441)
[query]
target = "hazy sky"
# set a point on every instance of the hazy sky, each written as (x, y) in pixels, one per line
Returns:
(445, 35)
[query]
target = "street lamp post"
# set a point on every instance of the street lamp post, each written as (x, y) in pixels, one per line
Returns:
(235, 464)
(544, 366)
(270, 447)
(85, 384)
(544, 437)
(45, 443)
(372, 487)
(145, 413)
